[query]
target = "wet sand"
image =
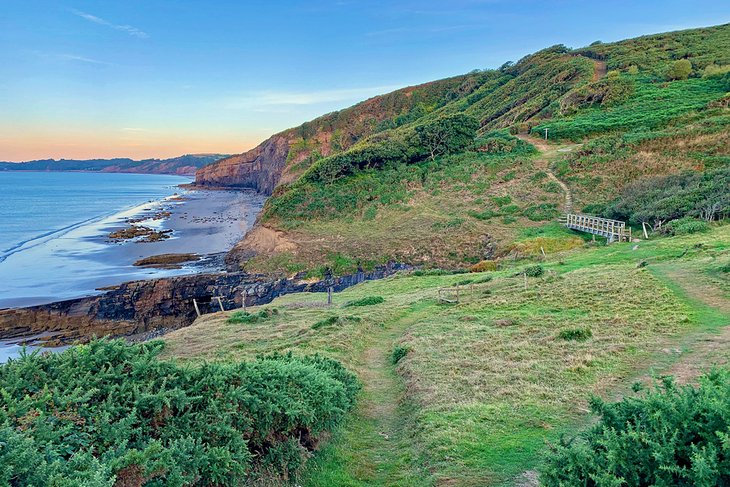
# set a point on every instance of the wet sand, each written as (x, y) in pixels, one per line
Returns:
(82, 261)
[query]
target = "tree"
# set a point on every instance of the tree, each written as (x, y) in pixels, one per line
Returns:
(681, 69)
(447, 135)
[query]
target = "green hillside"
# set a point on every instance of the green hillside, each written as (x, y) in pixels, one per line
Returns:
(615, 113)
(467, 394)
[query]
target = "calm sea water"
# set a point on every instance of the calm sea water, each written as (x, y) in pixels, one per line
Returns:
(37, 205)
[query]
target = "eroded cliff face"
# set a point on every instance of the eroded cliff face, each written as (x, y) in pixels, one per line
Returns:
(144, 306)
(259, 169)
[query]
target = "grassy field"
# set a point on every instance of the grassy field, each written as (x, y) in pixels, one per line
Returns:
(484, 383)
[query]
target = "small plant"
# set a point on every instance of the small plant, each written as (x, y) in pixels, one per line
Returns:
(366, 301)
(399, 352)
(245, 317)
(329, 321)
(725, 269)
(575, 334)
(533, 271)
(484, 266)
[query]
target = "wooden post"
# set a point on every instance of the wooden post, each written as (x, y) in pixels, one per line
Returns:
(220, 303)
(329, 296)
(197, 310)
(543, 251)
(546, 132)
(646, 235)
(525, 274)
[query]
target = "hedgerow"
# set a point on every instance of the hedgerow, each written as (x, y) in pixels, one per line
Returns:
(673, 435)
(111, 412)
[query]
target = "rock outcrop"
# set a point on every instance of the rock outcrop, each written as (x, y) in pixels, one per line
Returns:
(144, 306)
(260, 168)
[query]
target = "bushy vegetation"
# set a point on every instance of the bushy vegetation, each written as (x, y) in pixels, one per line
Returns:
(533, 270)
(686, 226)
(658, 200)
(575, 334)
(670, 436)
(366, 301)
(109, 413)
(398, 354)
(246, 317)
(653, 105)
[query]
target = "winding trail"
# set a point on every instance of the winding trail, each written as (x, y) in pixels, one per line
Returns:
(551, 152)
(376, 447)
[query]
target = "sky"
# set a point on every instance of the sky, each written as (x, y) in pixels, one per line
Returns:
(153, 78)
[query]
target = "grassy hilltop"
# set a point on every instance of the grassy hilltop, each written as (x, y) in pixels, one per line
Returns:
(364, 186)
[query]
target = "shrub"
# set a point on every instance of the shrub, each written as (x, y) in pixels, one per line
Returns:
(329, 321)
(447, 135)
(686, 226)
(725, 268)
(533, 271)
(576, 334)
(366, 301)
(680, 69)
(484, 266)
(399, 352)
(246, 317)
(109, 409)
(669, 436)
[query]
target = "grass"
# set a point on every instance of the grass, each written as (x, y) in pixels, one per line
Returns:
(479, 386)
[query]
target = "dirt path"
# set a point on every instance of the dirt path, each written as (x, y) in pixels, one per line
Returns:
(375, 448)
(704, 348)
(549, 153)
(599, 69)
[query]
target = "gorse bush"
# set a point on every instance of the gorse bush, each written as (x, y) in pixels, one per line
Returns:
(246, 317)
(366, 301)
(686, 226)
(533, 271)
(109, 413)
(398, 354)
(678, 436)
(575, 334)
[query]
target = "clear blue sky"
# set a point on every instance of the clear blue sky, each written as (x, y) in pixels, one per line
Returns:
(146, 78)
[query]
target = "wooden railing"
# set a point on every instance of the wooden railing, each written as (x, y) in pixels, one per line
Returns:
(613, 230)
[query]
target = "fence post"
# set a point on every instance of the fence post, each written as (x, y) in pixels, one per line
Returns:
(329, 296)
(197, 310)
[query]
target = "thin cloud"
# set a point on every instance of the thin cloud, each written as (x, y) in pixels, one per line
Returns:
(283, 98)
(131, 30)
(82, 59)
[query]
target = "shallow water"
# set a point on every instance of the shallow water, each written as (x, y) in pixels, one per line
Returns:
(54, 243)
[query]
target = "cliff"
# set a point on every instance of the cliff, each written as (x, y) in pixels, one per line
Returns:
(260, 168)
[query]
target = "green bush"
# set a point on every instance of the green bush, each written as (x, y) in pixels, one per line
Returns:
(399, 352)
(329, 321)
(533, 271)
(447, 134)
(680, 69)
(686, 226)
(366, 301)
(725, 268)
(576, 334)
(109, 409)
(246, 317)
(672, 435)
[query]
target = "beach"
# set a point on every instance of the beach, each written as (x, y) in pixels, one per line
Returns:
(83, 259)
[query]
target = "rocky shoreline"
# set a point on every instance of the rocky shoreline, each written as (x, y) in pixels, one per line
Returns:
(149, 307)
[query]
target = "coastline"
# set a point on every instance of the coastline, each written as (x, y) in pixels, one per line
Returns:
(85, 260)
